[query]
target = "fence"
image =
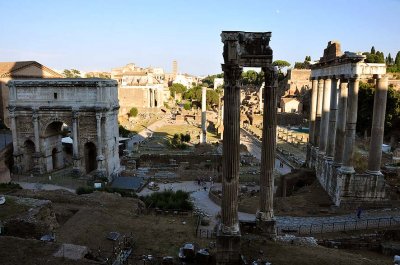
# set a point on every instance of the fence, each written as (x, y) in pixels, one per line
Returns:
(205, 233)
(364, 224)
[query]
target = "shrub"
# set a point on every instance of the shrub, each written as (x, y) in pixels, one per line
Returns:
(187, 106)
(133, 112)
(84, 190)
(124, 193)
(168, 200)
(9, 186)
(123, 131)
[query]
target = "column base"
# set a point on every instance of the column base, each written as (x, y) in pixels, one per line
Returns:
(228, 248)
(373, 172)
(267, 227)
(347, 170)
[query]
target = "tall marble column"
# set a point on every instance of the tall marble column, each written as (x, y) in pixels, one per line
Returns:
(35, 119)
(323, 132)
(318, 112)
(75, 142)
(341, 122)
(351, 121)
(260, 96)
(100, 157)
(330, 148)
(149, 97)
(14, 131)
(37, 155)
(268, 148)
(378, 122)
(313, 112)
(230, 153)
(203, 136)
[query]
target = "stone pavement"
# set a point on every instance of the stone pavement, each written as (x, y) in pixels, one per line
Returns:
(40, 186)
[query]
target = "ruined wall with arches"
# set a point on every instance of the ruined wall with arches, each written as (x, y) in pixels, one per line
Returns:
(43, 111)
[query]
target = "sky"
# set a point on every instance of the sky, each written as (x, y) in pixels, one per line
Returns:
(97, 35)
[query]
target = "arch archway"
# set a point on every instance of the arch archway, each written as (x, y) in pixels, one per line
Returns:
(52, 146)
(29, 147)
(90, 154)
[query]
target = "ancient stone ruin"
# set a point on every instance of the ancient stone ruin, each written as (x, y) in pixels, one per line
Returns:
(333, 123)
(245, 49)
(40, 108)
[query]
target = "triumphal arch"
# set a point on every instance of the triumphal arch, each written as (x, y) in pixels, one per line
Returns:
(245, 49)
(43, 111)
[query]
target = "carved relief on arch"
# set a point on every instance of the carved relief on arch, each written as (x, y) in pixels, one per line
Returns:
(24, 124)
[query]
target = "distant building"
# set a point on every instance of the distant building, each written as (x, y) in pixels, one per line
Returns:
(218, 82)
(290, 105)
(140, 87)
(298, 80)
(19, 70)
(187, 80)
(174, 68)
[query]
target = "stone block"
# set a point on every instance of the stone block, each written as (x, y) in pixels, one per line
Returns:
(228, 249)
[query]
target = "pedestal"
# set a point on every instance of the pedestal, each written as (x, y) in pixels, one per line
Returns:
(76, 169)
(268, 228)
(228, 248)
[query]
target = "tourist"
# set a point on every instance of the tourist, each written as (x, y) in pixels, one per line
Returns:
(359, 210)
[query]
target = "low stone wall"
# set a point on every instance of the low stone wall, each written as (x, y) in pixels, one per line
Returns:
(218, 201)
(351, 189)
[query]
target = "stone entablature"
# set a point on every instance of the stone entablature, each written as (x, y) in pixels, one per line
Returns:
(64, 93)
(360, 70)
(40, 108)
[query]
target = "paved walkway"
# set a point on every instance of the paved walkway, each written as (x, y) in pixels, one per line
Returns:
(254, 147)
(40, 186)
(203, 202)
(147, 132)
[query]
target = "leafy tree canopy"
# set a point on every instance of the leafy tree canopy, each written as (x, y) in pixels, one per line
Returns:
(281, 64)
(177, 89)
(73, 73)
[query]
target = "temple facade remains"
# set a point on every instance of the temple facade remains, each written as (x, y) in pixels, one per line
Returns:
(333, 118)
(40, 109)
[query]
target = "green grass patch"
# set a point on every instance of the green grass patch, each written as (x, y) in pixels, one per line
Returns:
(6, 187)
(124, 193)
(11, 208)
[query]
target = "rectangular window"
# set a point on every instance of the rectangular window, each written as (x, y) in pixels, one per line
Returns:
(55, 95)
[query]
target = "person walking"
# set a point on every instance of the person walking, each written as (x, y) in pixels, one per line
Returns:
(359, 211)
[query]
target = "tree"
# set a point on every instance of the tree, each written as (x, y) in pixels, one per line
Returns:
(187, 106)
(372, 50)
(397, 60)
(380, 57)
(133, 112)
(208, 81)
(389, 60)
(307, 59)
(177, 89)
(281, 64)
(365, 111)
(73, 73)
(212, 97)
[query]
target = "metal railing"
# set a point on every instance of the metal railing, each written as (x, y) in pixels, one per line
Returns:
(352, 225)
(205, 233)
